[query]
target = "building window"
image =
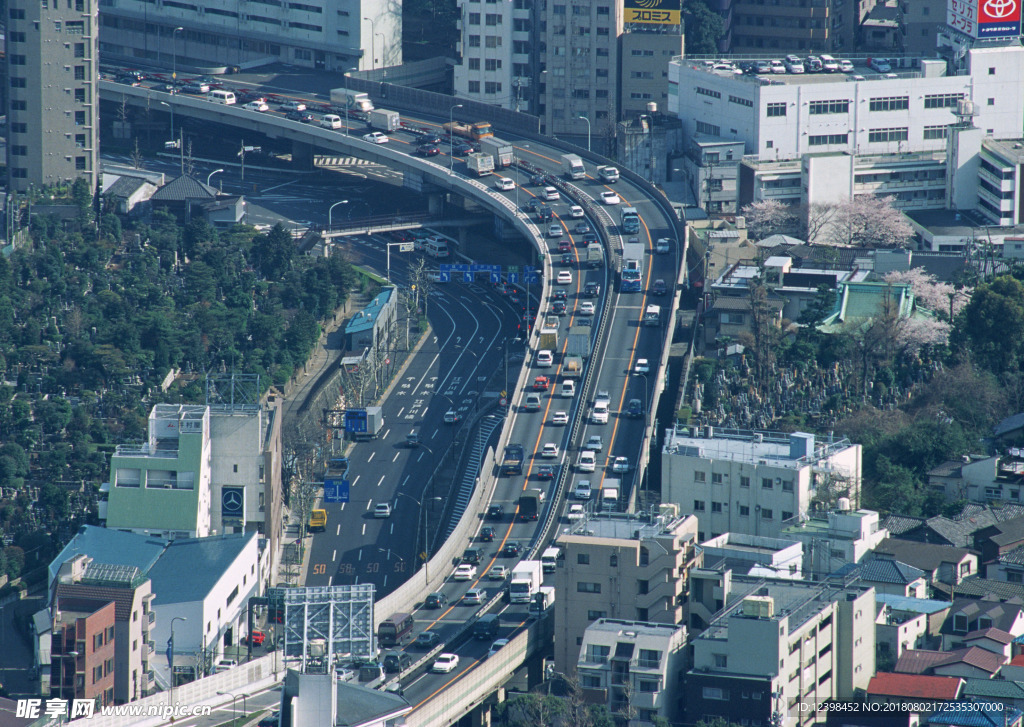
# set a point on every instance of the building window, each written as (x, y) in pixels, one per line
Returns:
(744, 511)
(649, 659)
(767, 514)
(79, 73)
(473, 87)
(583, 559)
(889, 103)
(80, 95)
(80, 163)
(741, 101)
(18, 150)
(648, 686)
(776, 109)
(79, 50)
(474, 18)
(492, 19)
(710, 129)
(942, 100)
(1014, 576)
(19, 173)
(960, 623)
(597, 653)
(17, 60)
(17, 82)
(474, 64)
(835, 106)
(787, 485)
(991, 102)
(18, 127)
(699, 476)
(492, 41)
(767, 483)
(17, 105)
(716, 507)
(492, 87)
(744, 481)
(701, 91)
(474, 41)
(492, 64)
(786, 515)
(936, 132)
(584, 587)
(613, 561)
(716, 478)
(698, 506)
(595, 615)
(715, 693)
(826, 139)
(887, 135)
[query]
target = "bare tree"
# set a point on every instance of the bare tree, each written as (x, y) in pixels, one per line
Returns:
(815, 219)
(764, 331)
(578, 711)
(190, 167)
(137, 157)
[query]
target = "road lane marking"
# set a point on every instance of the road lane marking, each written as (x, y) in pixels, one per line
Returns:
(396, 456)
(338, 531)
(385, 434)
(334, 555)
(381, 481)
(400, 411)
(355, 481)
(370, 458)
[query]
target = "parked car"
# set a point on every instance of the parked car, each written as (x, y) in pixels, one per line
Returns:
(881, 65)
(793, 64)
(813, 64)
(846, 66)
(776, 67)
(828, 63)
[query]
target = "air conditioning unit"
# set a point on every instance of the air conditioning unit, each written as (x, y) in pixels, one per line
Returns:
(759, 606)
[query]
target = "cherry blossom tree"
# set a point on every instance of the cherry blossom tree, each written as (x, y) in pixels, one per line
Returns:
(767, 217)
(943, 299)
(868, 221)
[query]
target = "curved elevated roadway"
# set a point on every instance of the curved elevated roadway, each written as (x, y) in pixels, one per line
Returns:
(443, 698)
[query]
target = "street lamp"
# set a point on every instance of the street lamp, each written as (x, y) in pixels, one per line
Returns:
(581, 116)
(164, 103)
(330, 224)
(210, 175)
(347, 101)
(373, 33)
(170, 658)
(451, 135)
(381, 49)
(426, 546)
(174, 53)
(234, 697)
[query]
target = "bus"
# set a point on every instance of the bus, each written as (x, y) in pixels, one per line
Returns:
(630, 221)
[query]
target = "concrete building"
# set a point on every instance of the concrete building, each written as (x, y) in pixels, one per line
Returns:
(232, 33)
(982, 479)
(562, 61)
(755, 482)
(836, 538)
(791, 26)
(709, 168)
(940, 563)
(130, 592)
(903, 623)
(52, 98)
(755, 555)
(621, 567)
(634, 665)
(83, 649)
(323, 699)
(776, 644)
(203, 470)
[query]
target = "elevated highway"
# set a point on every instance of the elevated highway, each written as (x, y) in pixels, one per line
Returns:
(621, 341)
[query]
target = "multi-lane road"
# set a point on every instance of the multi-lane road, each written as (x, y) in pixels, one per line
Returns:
(470, 327)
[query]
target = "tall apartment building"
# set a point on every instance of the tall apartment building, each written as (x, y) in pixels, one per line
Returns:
(621, 567)
(563, 61)
(754, 482)
(634, 666)
(130, 592)
(83, 649)
(52, 99)
(779, 644)
(203, 469)
(791, 26)
(321, 34)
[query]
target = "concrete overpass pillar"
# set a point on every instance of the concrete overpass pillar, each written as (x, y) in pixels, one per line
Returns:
(480, 716)
(534, 671)
(302, 155)
(435, 204)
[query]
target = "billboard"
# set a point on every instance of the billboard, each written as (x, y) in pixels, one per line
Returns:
(985, 18)
(657, 12)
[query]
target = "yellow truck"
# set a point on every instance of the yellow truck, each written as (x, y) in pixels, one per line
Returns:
(317, 521)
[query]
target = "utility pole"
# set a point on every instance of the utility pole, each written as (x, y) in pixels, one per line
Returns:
(241, 153)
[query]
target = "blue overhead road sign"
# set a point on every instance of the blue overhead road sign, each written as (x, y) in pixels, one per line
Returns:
(336, 489)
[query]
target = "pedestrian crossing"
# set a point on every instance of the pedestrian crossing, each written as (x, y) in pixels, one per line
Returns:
(329, 161)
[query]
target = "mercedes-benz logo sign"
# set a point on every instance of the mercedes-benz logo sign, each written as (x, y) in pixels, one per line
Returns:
(1000, 8)
(232, 500)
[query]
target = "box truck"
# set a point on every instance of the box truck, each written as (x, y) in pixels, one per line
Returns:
(572, 167)
(530, 503)
(579, 342)
(526, 580)
(351, 100)
(501, 151)
(384, 120)
(479, 162)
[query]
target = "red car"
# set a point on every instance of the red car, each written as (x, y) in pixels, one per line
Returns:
(256, 638)
(541, 383)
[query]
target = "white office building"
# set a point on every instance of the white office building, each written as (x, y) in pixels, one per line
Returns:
(321, 34)
(749, 482)
(785, 116)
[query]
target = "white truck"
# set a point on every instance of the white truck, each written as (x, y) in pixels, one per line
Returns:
(542, 600)
(652, 315)
(526, 580)
(549, 559)
(384, 120)
(351, 100)
(572, 167)
(610, 495)
(608, 175)
(482, 164)
(501, 151)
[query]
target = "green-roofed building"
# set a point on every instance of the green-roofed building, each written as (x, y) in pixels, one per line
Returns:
(860, 303)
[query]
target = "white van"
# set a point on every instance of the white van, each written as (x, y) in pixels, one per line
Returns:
(549, 559)
(221, 96)
(436, 248)
(330, 121)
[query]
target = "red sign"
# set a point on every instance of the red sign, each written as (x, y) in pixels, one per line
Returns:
(998, 18)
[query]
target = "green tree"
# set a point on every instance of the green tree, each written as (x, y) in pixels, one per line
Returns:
(53, 414)
(992, 324)
(703, 28)
(273, 252)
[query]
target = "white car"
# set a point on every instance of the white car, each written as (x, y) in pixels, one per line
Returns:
(828, 63)
(382, 510)
(496, 647)
(293, 106)
(583, 490)
(465, 572)
(445, 663)
(587, 462)
(794, 64)
(576, 212)
(576, 512)
(595, 443)
(776, 67)
(620, 465)
(551, 194)
(879, 64)
(568, 389)
(555, 231)
(545, 358)
(587, 308)
(564, 277)
(845, 66)
(560, 417)
(375, 137)
(549, 451)
(642, 366)
(497, 573)
(610, 198)
(505, 184)
(474, 597)
(257, 105)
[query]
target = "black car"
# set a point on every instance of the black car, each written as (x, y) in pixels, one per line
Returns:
(558, 308)
(591, 290)
(534, 204)
(512, 549)
(303, 116)
(560, 294)
(462, 148)
(544, 212)
(436, 600)
(487, 534)
(495, 512)
(590, 237)
(430, 138)
(396, 661)
(660, 288)
(428, 150)
(271, 720)
(471, 556)
(567, 258)
(635, 409)
(584, 321)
